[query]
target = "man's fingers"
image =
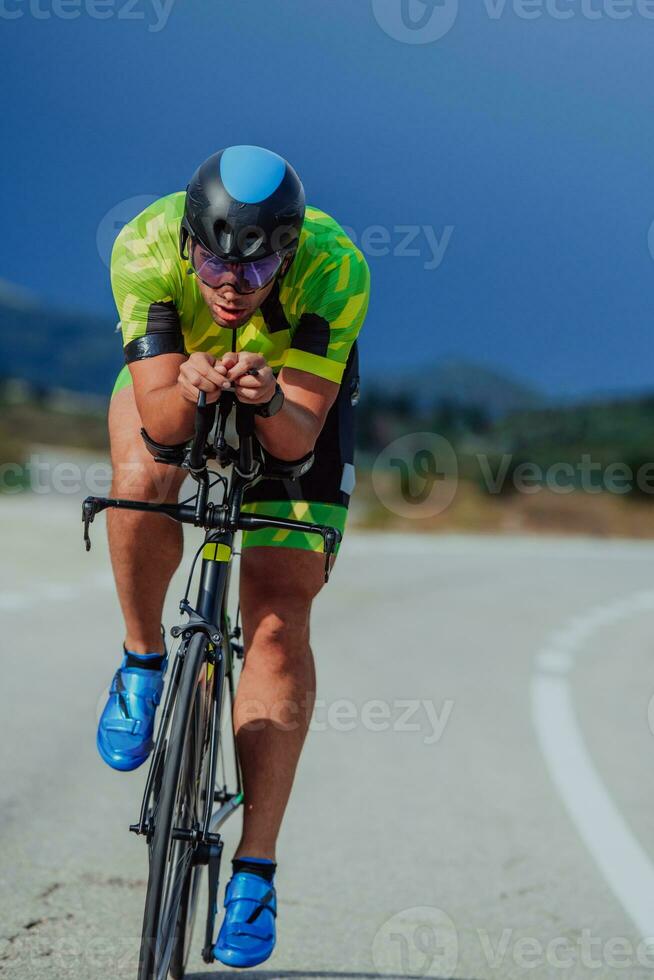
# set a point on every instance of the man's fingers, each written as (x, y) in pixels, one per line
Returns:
(247, 381)
(218, 375)
(191, 393)
(252, 364)
(192, 370)
(246, 394)
(198, 381)
(229, 360)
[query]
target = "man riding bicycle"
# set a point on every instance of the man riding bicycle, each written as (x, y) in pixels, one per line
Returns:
(235, 285)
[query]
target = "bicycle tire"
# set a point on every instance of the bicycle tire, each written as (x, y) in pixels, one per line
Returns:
(171, 860)
(190, 895)
(185, 924)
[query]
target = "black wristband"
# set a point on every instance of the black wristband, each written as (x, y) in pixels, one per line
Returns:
(271, 407)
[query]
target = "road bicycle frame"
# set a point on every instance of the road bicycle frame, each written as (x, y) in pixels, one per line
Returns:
(209, 615)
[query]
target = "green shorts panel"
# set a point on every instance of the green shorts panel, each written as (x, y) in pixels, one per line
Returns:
(123, 380)
(334, 515)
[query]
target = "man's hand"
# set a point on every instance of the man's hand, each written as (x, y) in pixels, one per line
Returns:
(252, 380)
(202, 372)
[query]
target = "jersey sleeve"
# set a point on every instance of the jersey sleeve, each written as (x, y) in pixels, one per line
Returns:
(143, 293)
(335, 303)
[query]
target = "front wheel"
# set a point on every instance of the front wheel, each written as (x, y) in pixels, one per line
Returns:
(178, 807)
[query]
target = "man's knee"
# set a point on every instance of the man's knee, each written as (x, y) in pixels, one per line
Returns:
(278, 586)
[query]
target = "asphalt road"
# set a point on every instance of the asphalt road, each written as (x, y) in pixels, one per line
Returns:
(475, 799)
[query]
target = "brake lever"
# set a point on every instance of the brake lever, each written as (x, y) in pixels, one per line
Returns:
(331, 538)
(90, 507)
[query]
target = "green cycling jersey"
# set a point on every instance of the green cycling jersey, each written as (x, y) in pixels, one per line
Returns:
(309, 321)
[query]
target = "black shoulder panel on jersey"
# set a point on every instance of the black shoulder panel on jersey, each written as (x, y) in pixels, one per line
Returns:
(163, 318)
(312, 335)
(273, 312)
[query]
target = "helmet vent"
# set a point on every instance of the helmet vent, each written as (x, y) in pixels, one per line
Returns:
(224, 236)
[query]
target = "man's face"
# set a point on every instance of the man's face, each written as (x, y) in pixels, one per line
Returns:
(229, 308)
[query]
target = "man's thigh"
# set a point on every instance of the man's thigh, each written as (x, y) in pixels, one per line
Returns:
(135, 472)
(278, 585)
(320, 496)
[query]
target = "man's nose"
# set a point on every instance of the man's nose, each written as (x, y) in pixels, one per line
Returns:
(227, 288)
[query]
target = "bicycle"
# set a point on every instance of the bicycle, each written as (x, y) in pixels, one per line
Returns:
(190, 769)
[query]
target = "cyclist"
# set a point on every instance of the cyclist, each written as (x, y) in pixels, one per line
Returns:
(234, 284)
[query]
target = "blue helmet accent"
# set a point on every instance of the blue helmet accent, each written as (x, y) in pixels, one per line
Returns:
(250, 173)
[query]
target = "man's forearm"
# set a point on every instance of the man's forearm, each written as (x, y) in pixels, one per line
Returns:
(167, 416)
(290, 434)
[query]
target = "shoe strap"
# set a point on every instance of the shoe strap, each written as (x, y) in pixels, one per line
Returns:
(139, 683)
(251, 888)
(129, 726)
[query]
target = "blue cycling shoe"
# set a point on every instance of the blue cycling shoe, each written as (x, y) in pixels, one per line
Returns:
(125, 730)
(247, 934)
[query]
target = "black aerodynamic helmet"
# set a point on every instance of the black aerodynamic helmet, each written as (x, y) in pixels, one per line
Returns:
(243, 204)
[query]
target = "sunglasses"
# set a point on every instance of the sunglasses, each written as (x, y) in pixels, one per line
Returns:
(245, 277)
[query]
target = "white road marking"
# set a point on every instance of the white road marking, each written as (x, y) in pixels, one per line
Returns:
(624, 863)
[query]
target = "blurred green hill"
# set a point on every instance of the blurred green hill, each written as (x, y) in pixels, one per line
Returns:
(56, 348)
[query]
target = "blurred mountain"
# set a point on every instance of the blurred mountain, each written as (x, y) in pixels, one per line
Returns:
(460, 383)
(54, 348)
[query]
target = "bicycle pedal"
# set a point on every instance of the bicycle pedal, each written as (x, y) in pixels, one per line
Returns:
(207, 955)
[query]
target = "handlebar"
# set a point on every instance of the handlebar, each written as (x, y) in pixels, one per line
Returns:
(248, 465)
(215, 518)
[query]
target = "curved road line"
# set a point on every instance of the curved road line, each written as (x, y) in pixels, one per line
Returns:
(624, 863)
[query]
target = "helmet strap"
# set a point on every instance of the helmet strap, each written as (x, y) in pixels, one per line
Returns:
(286, 265)
(183, 240)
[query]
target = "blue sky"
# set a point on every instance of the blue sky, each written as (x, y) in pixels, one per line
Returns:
(522, 146)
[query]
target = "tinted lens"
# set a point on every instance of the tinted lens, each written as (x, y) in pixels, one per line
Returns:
(244, 276)
(260, 273)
